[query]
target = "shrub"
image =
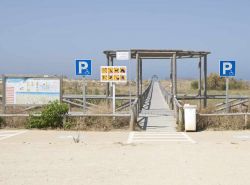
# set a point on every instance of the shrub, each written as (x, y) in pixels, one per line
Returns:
(51, 116)
(1, 121)
(194, 85)
(215, 82)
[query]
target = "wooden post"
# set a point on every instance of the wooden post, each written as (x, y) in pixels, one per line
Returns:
(172, 84)
(200, 81)
(137, 78)
(205, 81)
(248, 108)
(177, 114)
(246, 121)
(174, 75)
(141, 83)
(107, 85)
(132, 119)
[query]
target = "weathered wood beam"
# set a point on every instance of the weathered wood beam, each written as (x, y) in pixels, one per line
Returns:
(141, 79)
(107, 84)
(172, 84)
(174, 75)
(137, 76)
(205, 81)
(200, 81)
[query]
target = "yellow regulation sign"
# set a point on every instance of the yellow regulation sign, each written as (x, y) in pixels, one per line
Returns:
(113, 74)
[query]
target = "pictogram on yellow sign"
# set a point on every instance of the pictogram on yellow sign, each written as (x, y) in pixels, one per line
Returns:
(113, 74)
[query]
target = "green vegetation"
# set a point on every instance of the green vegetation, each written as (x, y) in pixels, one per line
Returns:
(51, 117)
(1, 121)
(215, 82)
(194, 84)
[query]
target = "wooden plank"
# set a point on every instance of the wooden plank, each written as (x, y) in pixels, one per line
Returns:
(73, 103)
(223, 103)
(232, 105)
(71, 114)
(78, 96)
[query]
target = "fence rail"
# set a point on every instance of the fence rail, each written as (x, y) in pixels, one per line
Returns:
(133, 113)
(72, 114)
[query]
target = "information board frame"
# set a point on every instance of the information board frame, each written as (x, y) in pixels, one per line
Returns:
(42, 77)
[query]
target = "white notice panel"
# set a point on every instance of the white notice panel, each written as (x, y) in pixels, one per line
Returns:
(24, 91)
(122, 55)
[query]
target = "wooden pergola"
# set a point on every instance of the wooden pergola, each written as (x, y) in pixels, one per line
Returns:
(140, 54)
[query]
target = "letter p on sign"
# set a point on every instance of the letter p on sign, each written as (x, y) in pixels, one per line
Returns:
(227, 68)
(83, 67)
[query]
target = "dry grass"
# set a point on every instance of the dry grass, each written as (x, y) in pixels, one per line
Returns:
(97, 123)
(222, 123)
(211, 123)
(95, 87)
(184, 88)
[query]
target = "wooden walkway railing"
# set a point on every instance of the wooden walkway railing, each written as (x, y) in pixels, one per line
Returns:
(138, 104)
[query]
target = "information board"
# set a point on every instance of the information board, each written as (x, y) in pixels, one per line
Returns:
(31, 91)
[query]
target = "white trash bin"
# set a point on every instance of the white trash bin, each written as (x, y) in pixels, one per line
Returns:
(190, 117)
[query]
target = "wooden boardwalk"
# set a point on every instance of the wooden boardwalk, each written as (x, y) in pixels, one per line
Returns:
(156, 115)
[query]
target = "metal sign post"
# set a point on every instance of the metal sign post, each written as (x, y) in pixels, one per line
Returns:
(112, 75)
(126, 55)
(227, 88)
(227, 69)
(84, 94)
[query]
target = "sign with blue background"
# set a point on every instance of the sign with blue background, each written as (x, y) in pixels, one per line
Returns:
(83, 67)
(227, 68)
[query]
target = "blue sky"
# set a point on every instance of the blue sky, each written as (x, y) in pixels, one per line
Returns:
(45, 37)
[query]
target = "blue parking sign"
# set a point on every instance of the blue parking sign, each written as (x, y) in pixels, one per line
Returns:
(83, 67)
(227, 68)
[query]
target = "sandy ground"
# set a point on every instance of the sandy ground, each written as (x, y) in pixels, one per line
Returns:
(51, 157)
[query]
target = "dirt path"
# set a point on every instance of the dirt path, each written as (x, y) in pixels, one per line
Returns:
(51, 157)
